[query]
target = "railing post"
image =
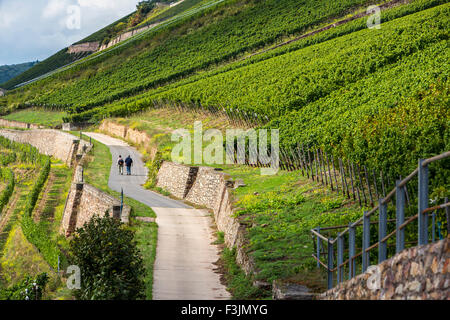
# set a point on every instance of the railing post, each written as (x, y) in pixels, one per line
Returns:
(319, 244)
(423, 203)
(433, 226)
(340, 258)
(447, 215)
(365, 242)
(330, 264)
(400, 216)
(382, 232)
(351, 251)
(121, 202)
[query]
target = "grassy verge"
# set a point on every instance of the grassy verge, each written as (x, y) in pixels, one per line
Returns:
(18, 257)
(97, 169)
(279, 212)
(37, 116)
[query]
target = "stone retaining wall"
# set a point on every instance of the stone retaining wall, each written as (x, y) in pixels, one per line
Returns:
(84, 202)
(125, 36)
(61, 145)
(133, 136)
(84, 47)
(17, 124)
(176, 178)
(417, 273)
(68, 126)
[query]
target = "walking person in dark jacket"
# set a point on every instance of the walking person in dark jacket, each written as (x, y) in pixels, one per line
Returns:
(128, 163)
(120, 163)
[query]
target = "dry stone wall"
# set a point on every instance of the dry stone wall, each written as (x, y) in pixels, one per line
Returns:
(84, 202)
(61, 145)
(125, 36)
(176, 178)
(417, 273)
(131, 135)
(17, 124)
(84, 47)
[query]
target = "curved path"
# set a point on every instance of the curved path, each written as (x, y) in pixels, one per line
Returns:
(184, 268)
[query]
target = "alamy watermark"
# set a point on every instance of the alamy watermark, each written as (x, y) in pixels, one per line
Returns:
(74, 280)
(190, 147)
(374, 20)
(73, 21)
(374, 280)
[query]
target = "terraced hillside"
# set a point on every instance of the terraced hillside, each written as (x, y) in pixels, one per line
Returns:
(32, 196)
(330, 89)
(376, 97)
(211, 36)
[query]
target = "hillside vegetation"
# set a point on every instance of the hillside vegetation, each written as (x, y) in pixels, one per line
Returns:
(58, 60)
(8, 72)
(31, 208)
(332, 89)
(190, 45)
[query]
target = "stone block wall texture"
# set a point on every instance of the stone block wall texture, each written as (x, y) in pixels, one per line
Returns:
(84, 202)
(84, 47)
(206, 187)
(419, 273)
(174, 178)
(68, 126)
(125, 36)
(131, 135)
(61, 145)
(17, 124)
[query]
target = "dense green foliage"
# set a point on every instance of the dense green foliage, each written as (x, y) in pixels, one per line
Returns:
(7, 157)
(110, 262)
(315, 72)
(36, 233)
(6, 175)
(240, 285)
(10, 71)
(25, 153)
(129, 105)
(38, 185)
(28, 289)
(172, 12)
(372, 79)
(105, 33)
(213, 38)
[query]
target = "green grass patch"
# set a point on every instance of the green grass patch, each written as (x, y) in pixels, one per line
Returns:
(37, 116)
(279, 212)
(146, 236)
(240, 285)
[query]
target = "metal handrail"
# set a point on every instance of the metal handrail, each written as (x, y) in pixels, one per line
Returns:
(422, 216)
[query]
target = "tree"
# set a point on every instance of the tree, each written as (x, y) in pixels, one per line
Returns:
(144, 7)
(110, 263)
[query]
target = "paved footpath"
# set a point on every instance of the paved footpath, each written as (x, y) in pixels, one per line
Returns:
(184, 267)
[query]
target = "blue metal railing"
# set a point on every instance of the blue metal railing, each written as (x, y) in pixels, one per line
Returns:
(422, 216)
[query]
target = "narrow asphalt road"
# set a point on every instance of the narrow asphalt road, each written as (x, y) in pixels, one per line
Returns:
(184, 268)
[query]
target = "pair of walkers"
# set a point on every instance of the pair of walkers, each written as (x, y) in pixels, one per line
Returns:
(128, 162)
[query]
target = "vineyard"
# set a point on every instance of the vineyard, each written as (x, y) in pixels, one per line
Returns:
(194, 45)
(403, 65)
(26, 162)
